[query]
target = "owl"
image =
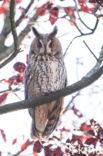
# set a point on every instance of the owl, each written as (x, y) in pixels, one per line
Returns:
(45, 73)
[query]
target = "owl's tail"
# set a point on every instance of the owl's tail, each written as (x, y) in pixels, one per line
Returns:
(36, 135)
(53, 115)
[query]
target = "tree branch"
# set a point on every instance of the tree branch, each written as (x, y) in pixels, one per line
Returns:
(71, 102)
(81, 34)
(84, 82)
(20, 38)
(14, 33)
(100, 3)
(90, 50)
(26, 10)
(7, 53)
(13, 25)
(11, 57)
(77, 10)
(22, 16)
(18, 153)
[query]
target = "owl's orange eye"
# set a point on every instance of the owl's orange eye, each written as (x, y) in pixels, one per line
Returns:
(39, 44)
(57, 53)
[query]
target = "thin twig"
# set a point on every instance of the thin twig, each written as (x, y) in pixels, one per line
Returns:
(3, 91)
(80, 17)
(9, 90)
(99, 3)
(90, 51)
(81, 35)
(17, 154)
(11, 57)
(70, 44)
(96, 9)
(14, 33)
(85, 34)
(71, 101)
(21, 17)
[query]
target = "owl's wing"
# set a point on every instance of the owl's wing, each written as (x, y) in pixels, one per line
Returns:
(28, 76)
(53, 116)
(27, 80)
(65, 84)
(45, 123)
(65, 75)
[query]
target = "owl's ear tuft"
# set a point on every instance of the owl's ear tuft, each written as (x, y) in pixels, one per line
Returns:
(36, 33)
(54, 32)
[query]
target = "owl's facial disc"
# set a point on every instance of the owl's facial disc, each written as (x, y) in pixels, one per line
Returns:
(49, 47)
(49, 44)
(44, 47)
(40, 44)
(41, 47)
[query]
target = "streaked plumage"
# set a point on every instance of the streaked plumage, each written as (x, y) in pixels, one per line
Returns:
(44, 74)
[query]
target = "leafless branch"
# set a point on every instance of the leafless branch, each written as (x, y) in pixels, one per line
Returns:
(89, 33)
(77, 10)
(3, 91)
(90, 50)
(99, 16)
(22, 16)
(7, 53)
(11, 57)
(17, 154)
(13, 29)
(70, 44)
(8, 90)
(80, 17)
(81, 34)
(99, 2)
(70, 102)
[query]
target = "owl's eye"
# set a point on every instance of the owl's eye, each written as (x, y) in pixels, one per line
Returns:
(57, 53)
(39, 44)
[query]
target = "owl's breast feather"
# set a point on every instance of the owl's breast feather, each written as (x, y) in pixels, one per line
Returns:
(49, 76)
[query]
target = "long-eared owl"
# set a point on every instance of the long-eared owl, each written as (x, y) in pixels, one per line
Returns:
(44, 74)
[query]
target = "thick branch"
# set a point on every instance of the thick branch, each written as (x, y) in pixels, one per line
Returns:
(7, 53)
(14, 33)
(84, 82)
(20, 38)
